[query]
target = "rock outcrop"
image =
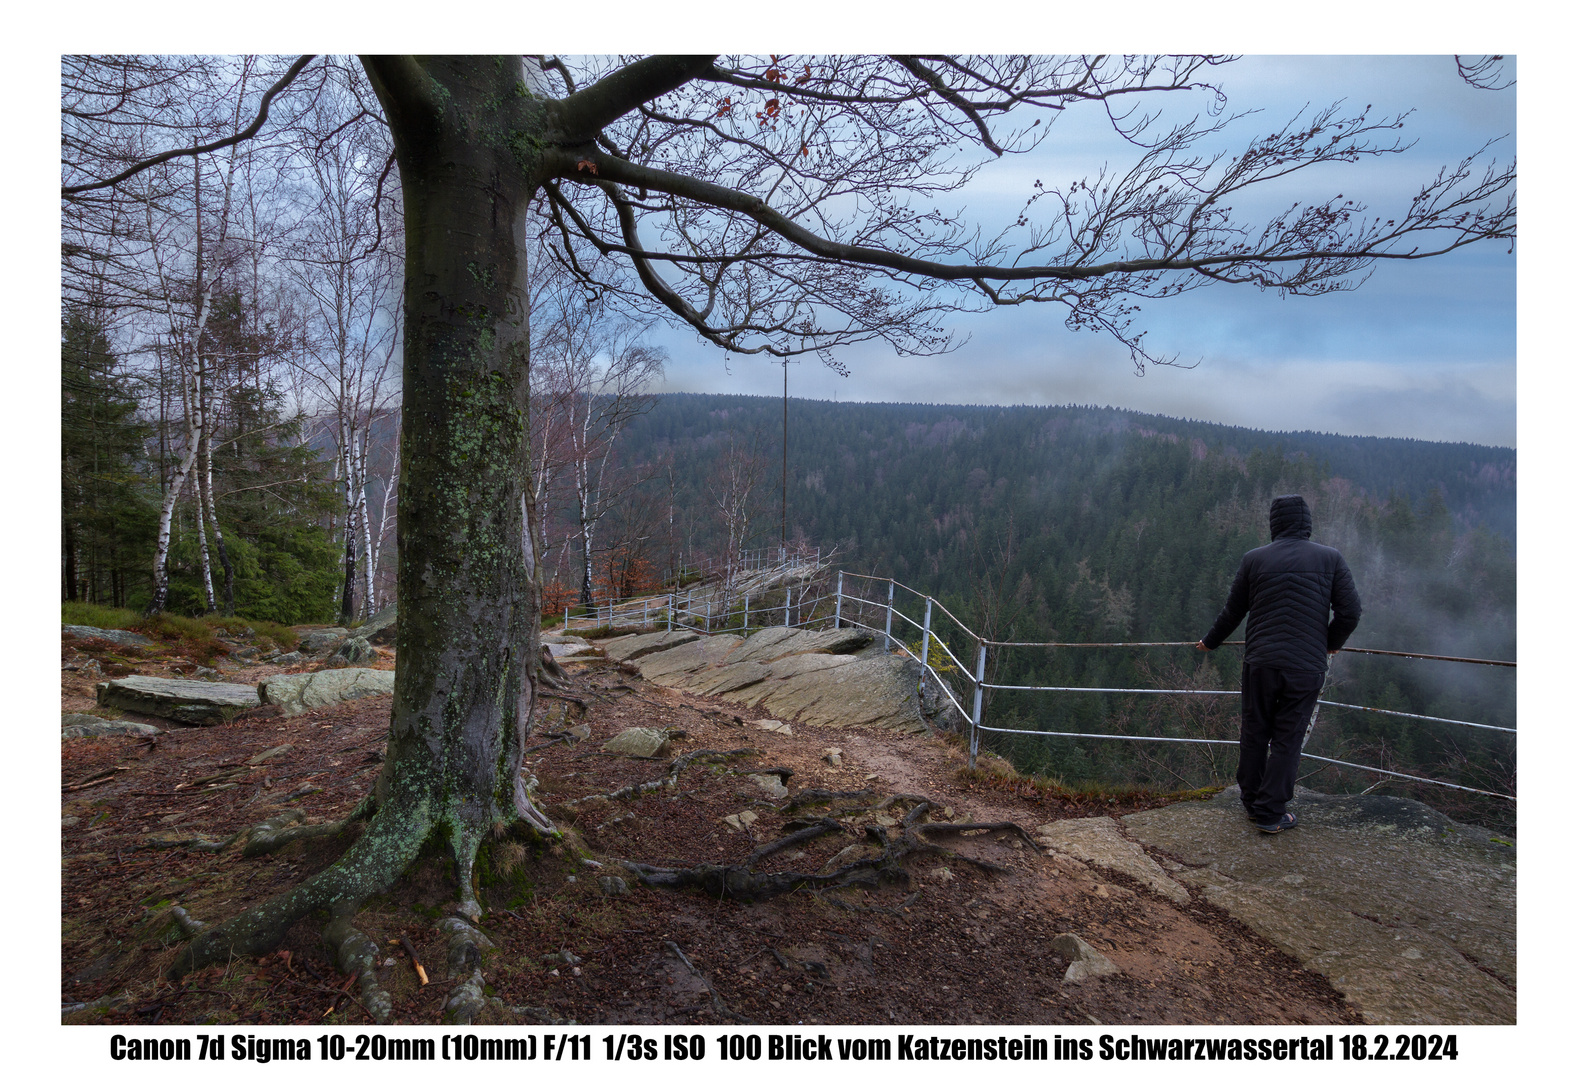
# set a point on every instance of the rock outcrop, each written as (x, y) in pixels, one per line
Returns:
(191, 701)
(380, 629)
(295, 694)
(830, 678)
(88, 726)
(1100, 841)
(1409, 914)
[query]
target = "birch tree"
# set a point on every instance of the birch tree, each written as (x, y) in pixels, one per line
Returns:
(596, 372)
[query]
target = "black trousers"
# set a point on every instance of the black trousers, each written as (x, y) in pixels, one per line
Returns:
(1275, 705)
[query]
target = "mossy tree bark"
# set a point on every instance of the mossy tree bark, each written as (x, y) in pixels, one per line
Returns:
(468, 631)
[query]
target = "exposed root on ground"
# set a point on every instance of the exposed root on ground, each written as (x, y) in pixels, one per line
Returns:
(719, 1006)
(356, 956)
(373, 863)
(743, 881)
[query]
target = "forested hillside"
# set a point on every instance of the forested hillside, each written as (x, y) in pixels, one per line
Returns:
(1093, 524)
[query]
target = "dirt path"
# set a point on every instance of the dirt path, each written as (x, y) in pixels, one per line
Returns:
(956, 944)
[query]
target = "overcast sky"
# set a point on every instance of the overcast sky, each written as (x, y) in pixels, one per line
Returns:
(1423, 350)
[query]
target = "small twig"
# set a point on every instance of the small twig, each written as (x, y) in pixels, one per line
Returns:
(345, 987)
(411, 951)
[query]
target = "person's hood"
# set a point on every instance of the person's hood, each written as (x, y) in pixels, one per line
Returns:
(1290, 518)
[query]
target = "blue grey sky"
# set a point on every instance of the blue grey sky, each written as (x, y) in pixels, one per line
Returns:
(1422, 350)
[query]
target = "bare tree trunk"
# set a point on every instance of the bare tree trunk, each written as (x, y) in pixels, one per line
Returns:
(362, 516)
(228, 605)
(349, 577)
(167, 509)
(384, 514)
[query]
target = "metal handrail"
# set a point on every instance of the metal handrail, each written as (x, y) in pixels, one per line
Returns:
(981, 684)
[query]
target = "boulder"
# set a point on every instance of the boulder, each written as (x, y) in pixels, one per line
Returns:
(287, 659)
(191, 701)
(295, 694)
(118, 637)
(772, 785)
(353, 652)
(1085, 961)
(322, 640)
(380, 629)
(639, 742)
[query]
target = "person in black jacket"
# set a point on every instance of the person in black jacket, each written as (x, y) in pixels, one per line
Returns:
(1288, 588)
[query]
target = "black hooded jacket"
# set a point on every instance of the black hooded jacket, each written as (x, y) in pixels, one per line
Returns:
(1288, 587)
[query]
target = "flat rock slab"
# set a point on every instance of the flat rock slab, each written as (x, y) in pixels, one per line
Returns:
(1101, 842)
(875, 691)
(1407, 913)
(88, 726)
(295, 694)
(669, 667)
(639, 645)
(118, 637)
(191, 701)
(775, 642)
(729, 678)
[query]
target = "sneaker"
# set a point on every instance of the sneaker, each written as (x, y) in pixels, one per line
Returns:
(1283, 824)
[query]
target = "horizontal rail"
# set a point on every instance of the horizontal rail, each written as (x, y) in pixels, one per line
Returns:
(1230, 742)
(1236, 693)
(1164, 644)
(1417, 716)
(1108, 690)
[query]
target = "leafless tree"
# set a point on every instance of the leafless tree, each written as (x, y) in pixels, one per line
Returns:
(347, 273)
(593, 375)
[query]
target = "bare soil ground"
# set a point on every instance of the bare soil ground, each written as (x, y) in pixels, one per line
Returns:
(958, 944)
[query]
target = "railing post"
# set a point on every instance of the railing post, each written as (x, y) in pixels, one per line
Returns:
(888, 620)
(787, 604)
(567, 616)
(746, 612)
(976, 704)
(927, 636)
(839, 596)
(670, 599)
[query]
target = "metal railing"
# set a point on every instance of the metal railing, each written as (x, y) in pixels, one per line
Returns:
(846, 602)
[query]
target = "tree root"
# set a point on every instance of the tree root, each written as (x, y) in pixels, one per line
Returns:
(742, 881)
(464, 957)
(372, 864)
(270, 836)
(356, 954)
(718, 1003)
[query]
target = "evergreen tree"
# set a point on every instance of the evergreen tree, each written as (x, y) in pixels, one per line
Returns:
(107, 512)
